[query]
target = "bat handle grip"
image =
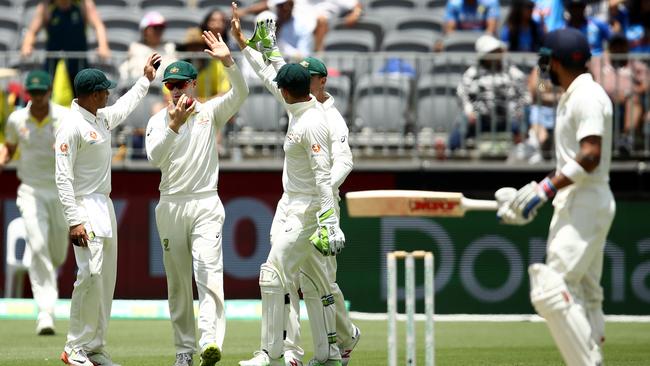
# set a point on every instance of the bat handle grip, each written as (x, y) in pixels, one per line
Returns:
(479, 205)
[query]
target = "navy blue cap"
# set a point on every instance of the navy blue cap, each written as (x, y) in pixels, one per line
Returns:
(568, 45)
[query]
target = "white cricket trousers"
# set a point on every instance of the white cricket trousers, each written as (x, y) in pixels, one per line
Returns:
(190, 233)
(47, 237)
(292, 254)
(577, 236)
(92, 296)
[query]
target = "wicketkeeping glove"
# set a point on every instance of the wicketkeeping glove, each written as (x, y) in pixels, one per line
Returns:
(268, 42)
(328, 238)
(532, 196)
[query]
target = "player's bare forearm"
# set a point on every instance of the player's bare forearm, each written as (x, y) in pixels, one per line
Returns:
(588, 158)
(235, 27)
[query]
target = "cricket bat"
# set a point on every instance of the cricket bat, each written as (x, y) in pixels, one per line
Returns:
(382, 203)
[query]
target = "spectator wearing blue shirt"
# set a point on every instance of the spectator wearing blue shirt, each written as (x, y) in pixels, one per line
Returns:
(472, 15)
(295, 32)
(549, 13)
(596, 31)
(520, 32)
(638, 34)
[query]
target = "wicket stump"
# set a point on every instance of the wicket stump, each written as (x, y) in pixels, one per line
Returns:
(410, 299)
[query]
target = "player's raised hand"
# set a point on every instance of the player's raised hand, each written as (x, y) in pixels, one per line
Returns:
(217, 48)
(152, 64)
(179, 112)
(235, 27)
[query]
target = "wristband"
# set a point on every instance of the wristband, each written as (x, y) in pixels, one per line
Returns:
(548, 188)
(574, 171)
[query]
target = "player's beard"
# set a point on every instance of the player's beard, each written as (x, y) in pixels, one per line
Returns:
(555, 78)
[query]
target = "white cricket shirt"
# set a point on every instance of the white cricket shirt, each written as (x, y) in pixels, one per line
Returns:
(584, 110)
(341, 156)
(307, 160)
(83, 149)
(188, 161)
(35, 166)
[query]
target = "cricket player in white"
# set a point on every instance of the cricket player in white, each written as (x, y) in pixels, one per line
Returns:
(83, 179)
(566, 290)
(341, 158)
(182, 142)
(305, 213)
(32, 129)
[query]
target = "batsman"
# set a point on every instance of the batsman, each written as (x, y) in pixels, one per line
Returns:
(566, 289)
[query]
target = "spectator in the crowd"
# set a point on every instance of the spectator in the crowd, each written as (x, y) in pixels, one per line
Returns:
(490, 93)
(618, 16)
(217, 21)
(549, 13)
(544, 98)
(152, 28)
(472, 15)
(325, 11)
(65, 22)
(295, 31)
(638, 33)
(596, 31)
(520, 31)
(626, 82)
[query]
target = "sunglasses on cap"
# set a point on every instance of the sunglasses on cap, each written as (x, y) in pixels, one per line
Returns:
(170, 85)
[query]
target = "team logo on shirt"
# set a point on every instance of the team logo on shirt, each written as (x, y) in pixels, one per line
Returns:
(93, 135)
(166, 245)
(343, 138)
(202, 122)
(315, 148)
(24, 132)
(64, 148)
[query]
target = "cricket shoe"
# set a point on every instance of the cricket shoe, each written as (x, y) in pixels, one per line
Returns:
(290, 360)
(183, 359)
(261, 358)
(101, 359)
(76, 357)
(210, 355)
(45, 324)
(346, 350)
(314, 362)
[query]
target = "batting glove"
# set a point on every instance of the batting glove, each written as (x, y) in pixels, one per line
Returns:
(505, 214)
(328, 238)
(532, 196)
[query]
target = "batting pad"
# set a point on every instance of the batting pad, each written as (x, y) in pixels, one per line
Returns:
(565, 319)
(275, 309)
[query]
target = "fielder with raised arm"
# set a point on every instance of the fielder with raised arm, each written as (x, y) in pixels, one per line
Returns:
(341, 158)
(182, 142)
(83, 179)
(32, 129)
(306, 212)
(566, 290)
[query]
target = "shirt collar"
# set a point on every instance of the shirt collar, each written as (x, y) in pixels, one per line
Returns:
(582, 79)
(89, 117)
(297, 109)
(42, 122)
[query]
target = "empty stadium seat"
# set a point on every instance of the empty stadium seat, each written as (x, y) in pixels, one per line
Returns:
(121, 19)
(409, 41)
(381, 102)
(425, 21)
(180, 19)
(388, 16)
(8, 39)
(225, 4)
(437, 104)
(376, 4)
(460, 41)
(115, 3)
(369, 23)
(261, 111)
(10, 18)
(154, 4)
(350, 41)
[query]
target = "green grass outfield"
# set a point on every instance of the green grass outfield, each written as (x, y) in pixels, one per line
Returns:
(149, 342)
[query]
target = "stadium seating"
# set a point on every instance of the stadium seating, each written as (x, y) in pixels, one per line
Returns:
(368, 23)
(425, 21)
(409, 41)
(350, 41)
(461, 41)
(339, 88)
(437, 103)
(381, 102)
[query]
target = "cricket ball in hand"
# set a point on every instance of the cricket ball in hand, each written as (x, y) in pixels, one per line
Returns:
(156, 64)
(189, 102)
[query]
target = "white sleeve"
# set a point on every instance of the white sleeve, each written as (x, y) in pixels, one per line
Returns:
(316, 142)
(590, 119)
(11, 132)
(341, 153)
(227, 105)
(66, 149)
(265, 72)
(158, 141)
(118, 112)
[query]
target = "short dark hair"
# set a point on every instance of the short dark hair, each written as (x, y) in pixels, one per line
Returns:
(297, 90)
